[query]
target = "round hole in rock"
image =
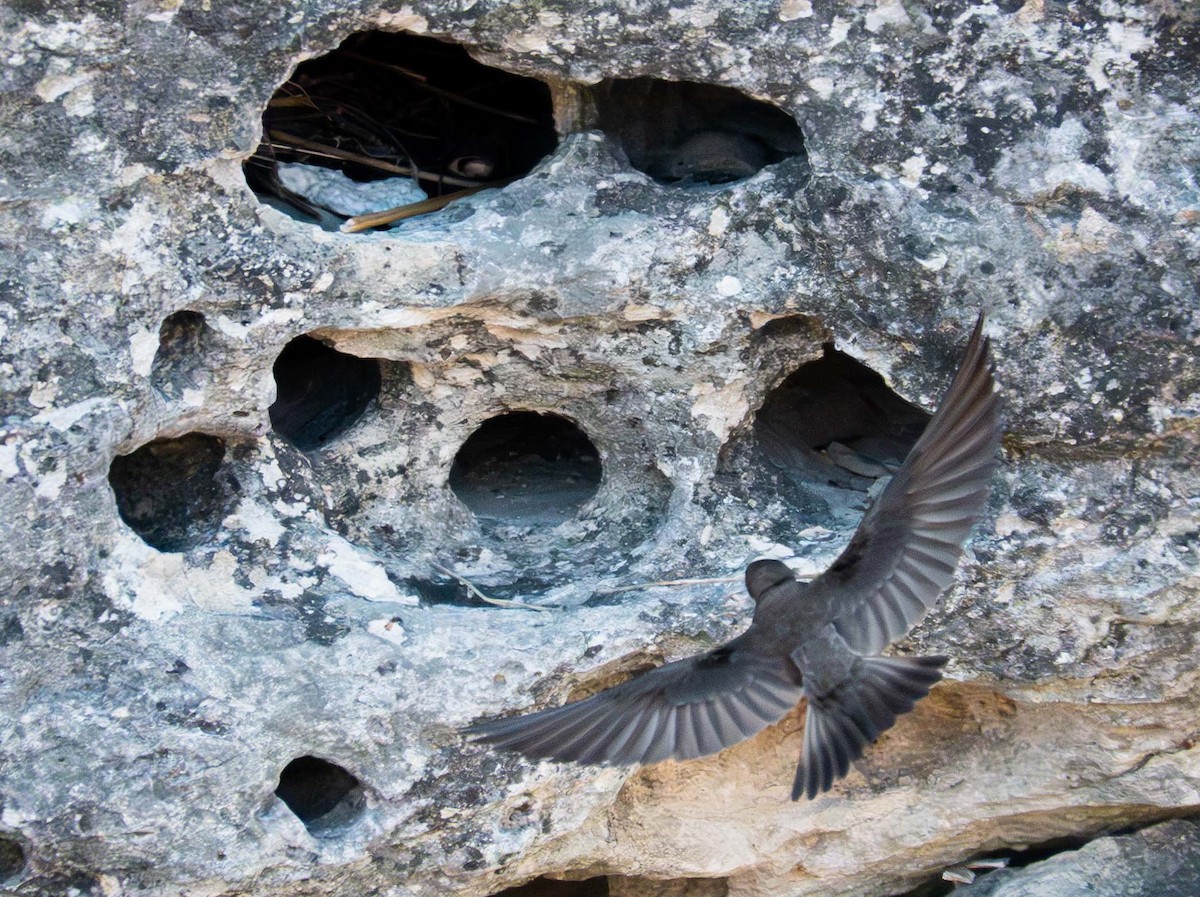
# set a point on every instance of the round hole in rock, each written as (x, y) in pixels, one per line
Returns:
(323, 795)
(12, 858)
(835, 420)
(320, 392)
(169, 491)
(391, 119)
(527, 468)
(680, 132)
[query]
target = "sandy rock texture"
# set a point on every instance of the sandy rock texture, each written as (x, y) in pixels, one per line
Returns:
(1039, 161)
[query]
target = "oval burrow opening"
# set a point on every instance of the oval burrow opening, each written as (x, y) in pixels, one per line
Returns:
(320, 392)
(174, 492)
(688, 134)
(326, 797)
(397, 124)
(526, 468)
(799, 469)
(12, 858)
(836, 421)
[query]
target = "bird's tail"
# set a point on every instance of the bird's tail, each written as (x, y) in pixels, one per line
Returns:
(840, 724)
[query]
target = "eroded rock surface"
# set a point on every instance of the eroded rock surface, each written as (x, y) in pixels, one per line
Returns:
(1035, 160)
(1163, 859)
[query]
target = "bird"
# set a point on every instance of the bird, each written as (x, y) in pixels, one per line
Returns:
(822, 639)
(709, 157)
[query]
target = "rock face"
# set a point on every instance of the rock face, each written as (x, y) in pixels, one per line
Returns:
(232, 660)
(1162, 859)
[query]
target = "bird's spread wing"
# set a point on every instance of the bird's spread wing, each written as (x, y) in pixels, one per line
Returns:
(689, 708)
(905, 550)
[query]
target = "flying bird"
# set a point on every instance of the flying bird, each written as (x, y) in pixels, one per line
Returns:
(821, 639)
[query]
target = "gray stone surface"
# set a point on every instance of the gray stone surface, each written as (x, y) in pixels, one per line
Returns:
(1038, 161)
(1159, 861)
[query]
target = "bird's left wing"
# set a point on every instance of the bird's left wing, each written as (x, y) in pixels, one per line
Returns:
(905, 550)
(689, 708)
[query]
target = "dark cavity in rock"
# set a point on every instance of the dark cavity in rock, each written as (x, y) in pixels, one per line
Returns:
(620, 886)
(401, 113)
(184, 339)
(323, 795)
(320, 392)
(170, 491)
(528, 468)
(679, 132)
(12, 858)
(553, 887)
(835, 421)
(1156, 860)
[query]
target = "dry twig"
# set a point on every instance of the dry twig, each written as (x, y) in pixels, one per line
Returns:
(283, 140)
(399, 213)
(474, 590)
(682, 582)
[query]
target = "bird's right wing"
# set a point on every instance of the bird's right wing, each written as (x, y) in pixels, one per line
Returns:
(690, 708)
(905, 550)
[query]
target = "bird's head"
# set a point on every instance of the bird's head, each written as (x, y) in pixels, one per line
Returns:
(763, 575)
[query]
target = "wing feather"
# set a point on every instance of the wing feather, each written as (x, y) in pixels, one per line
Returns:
(665, 742)
(906, 549)
(690, 708)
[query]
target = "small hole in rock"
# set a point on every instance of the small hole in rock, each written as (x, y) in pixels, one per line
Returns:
(528, 468)
(12, 858)
(389, 120)
(169, 492)
(835, 420)
(320, 392)
(183, 339)
(323, 795)
(680, 132)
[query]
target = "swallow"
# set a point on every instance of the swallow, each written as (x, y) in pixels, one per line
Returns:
(821, 640)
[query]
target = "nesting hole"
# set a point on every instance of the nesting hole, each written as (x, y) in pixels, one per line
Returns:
(835, 420)
(170, 492)
(389, 120)
(320, 392)
(323, 795)
(12, 858)
(527, 468)
(680, 132)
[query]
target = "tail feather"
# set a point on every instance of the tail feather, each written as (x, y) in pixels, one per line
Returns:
(841, 724)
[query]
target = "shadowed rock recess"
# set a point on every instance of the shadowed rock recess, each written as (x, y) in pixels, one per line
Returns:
(672, 288)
